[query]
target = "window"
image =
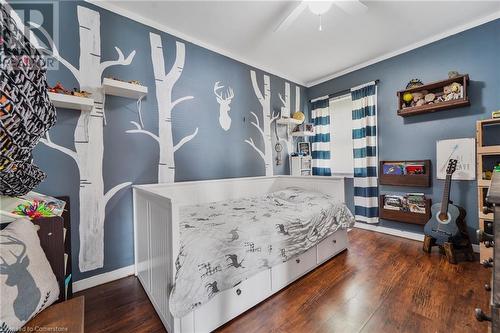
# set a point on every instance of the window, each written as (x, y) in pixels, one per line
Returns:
(341, 144)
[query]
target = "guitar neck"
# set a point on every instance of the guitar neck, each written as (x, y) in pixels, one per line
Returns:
(446, 195)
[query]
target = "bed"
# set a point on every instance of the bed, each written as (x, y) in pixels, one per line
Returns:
(207, 251)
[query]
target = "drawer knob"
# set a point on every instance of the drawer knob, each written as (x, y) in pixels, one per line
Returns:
(334, 241)
(487, 263)
(487, 287)
(297, 261)
(238, 291)
(481, 316)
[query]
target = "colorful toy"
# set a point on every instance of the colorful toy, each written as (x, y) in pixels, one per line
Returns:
(34, 209)
(407, 97)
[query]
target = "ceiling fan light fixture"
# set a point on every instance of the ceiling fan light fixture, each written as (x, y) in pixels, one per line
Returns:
(319, 7)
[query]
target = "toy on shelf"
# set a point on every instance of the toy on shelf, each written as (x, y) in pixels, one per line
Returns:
(59, 89)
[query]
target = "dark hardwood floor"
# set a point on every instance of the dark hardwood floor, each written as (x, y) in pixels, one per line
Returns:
(381, 284)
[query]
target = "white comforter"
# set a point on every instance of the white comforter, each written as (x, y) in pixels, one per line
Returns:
(224, 243)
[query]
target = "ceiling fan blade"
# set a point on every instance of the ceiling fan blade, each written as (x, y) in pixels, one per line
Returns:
(291, 16)
(352, 7)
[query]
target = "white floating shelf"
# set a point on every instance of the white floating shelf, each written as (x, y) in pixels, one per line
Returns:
(71, 102)
(288, 121)
(124, 89)
(303, 133)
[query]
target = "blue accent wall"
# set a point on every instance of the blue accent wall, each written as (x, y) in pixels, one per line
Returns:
(476, 52)
(212, 154)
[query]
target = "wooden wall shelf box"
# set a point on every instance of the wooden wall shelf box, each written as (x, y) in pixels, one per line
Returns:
(124, 89)
(71, 102)
(406, 217)
(435, 87)
(406, 180)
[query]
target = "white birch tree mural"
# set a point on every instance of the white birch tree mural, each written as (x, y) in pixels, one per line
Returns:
(164, 85)
(265, 101)
(286, 112)
(88, 138)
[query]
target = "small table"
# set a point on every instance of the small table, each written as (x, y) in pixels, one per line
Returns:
(66, 316)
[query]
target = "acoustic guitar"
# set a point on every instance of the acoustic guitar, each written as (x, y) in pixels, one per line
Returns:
(446, 217)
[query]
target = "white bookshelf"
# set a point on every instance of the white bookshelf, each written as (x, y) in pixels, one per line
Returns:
(124, 89)
(71, 102)
(288, 121)
(303, 133)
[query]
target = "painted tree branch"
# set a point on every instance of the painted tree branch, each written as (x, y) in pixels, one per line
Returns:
(185, 140)
(49, 143)
(143, 131)
(255, 86)
(120, 61)
(256, 124)
(274, 117)
(252, 144)
(113, 191)
(54, 51)
(182, 99)
(175, 72)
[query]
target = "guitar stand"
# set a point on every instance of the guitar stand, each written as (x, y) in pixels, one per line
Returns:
(451, 250)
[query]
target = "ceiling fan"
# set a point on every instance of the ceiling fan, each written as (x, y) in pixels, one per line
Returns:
(319, 8)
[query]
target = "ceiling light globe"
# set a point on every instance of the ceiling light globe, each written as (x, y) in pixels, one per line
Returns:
(319, 7)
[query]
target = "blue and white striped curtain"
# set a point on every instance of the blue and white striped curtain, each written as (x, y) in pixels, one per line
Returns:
(321, 139)
(364, 135)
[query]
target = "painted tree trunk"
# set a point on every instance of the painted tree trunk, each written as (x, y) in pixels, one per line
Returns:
(89, 140)
(265, 101)
(286, 112)
(164, 84)
(89, 146)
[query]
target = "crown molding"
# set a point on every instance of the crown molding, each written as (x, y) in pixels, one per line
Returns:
(451, 32)
(108, 5)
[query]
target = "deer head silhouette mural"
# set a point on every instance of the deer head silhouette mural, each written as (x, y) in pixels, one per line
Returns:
(28, 294)
(224, 100)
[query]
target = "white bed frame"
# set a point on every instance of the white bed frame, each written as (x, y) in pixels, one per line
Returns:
(156, 246)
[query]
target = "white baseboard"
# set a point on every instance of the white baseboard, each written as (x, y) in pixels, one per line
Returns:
(398, 232)
(390, 231)
(103, 278)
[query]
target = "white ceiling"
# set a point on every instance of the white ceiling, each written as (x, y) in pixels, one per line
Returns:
(244, 30)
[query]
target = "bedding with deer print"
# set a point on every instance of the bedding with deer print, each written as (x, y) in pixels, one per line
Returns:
(224, 243)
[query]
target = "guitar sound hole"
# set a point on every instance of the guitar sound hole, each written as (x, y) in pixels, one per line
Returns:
(443, 217)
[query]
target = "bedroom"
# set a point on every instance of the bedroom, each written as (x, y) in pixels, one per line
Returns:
(241, 166)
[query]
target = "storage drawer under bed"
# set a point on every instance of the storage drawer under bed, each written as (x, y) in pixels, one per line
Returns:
(285, 273)
(332, 245)
(230, 303)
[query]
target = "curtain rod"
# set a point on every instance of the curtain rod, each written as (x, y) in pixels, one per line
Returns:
(340, 93)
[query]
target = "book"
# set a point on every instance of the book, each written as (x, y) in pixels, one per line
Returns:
(414, 169)
(393, 168)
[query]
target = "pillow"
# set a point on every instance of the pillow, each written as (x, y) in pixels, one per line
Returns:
(27, 283)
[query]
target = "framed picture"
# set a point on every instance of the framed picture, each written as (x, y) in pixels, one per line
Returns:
(304, 148)
(309, 127)
(463, 150)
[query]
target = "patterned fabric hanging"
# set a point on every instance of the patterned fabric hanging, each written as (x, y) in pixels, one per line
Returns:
(364, 135)
(321, 140)
(26, 112)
